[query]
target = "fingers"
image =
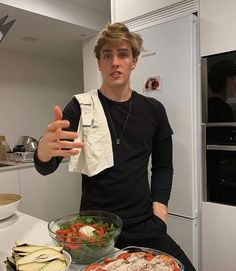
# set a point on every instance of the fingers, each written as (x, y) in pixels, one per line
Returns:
(57, 122)
(65, 153)
(49, 148)
(65, 145)
(57, 113)
(54, 133)
(65, 148)
(57, 141)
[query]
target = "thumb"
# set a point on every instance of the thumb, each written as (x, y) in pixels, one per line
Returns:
(57, 112)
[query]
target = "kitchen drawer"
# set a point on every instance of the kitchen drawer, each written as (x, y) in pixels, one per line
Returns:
(50, 196)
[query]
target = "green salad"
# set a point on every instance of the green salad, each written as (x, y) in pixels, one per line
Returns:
(86, 238)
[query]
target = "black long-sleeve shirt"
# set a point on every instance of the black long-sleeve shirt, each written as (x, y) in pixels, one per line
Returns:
(124, 188)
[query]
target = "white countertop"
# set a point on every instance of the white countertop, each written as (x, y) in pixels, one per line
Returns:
(19, 165)
(16, 165)
(24, 228)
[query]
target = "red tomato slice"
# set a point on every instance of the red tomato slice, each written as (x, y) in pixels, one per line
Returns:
(63, 232)
(149, 256)
(108, 260)
(73, 246)
(92, 266)
(123, 256)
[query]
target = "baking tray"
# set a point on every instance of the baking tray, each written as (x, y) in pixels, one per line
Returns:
(131, 249)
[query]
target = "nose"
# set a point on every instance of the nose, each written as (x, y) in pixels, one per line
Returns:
(115, 61)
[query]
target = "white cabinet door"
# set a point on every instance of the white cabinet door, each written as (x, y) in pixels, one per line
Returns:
(217, 26)
(123, 10)
(9, 181)
(186, 233)
(218, 237)
(51, 196)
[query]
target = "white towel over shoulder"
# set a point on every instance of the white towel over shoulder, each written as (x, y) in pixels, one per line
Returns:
(93, 130)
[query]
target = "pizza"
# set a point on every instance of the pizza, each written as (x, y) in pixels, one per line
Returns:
(131, 260)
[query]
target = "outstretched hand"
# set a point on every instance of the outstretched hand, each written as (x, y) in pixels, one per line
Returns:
(56, 141)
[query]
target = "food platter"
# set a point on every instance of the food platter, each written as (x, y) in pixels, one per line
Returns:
(138, 259)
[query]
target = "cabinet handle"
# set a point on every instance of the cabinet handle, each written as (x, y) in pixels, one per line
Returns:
(221, 147)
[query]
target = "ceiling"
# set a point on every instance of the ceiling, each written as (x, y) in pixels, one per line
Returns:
(40, 35)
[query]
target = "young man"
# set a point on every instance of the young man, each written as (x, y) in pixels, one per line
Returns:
(137, 128)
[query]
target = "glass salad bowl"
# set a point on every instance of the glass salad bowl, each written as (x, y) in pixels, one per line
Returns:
(87, 236)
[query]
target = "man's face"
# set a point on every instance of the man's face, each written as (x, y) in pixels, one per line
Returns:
(116, 63)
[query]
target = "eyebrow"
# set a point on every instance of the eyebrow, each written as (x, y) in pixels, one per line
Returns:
(109, 50)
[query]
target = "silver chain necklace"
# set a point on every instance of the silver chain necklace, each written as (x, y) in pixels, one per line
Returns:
(118, 139)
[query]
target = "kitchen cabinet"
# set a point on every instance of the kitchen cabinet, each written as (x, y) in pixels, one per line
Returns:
(218, 237)
(9, 181)
(217, 26)
(50, 196)
(123, 10)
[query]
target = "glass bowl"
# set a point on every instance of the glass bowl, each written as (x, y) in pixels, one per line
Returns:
(87, 236)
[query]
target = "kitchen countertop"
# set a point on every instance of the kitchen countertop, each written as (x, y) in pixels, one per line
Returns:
(25, 228)
(15, 165)
(18, 165)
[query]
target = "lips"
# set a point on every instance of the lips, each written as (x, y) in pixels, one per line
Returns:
(116, 73)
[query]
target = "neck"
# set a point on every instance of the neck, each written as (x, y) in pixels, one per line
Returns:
(118, 95)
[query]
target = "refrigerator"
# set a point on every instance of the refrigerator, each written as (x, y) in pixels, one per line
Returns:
(171, 60)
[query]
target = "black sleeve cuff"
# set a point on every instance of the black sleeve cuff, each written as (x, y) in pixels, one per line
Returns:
(45, 168)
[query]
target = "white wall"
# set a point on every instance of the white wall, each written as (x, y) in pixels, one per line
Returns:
(92, 76)
(30, 86)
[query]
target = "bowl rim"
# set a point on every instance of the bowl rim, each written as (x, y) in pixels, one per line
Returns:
(85, 213)
(68, 258)
(17, 200)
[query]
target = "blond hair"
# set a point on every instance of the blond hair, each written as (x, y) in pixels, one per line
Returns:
(115, 33)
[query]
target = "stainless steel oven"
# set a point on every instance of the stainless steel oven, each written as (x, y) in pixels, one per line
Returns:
(220, 163)
(218, 75)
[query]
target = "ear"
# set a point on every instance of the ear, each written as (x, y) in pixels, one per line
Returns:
(135, 60)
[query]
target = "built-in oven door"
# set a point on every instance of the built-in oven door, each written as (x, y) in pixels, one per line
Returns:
(218, 71)
(221, 173)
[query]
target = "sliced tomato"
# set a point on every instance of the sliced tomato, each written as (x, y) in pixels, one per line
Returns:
(77, 226)
(100, 231)
(149, 256)
(123, 256)
(92, 266)
(73, 246)
(108, 260)
(63, 232)
(61, 238)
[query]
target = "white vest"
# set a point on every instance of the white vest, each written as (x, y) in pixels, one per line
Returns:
(93, 130)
